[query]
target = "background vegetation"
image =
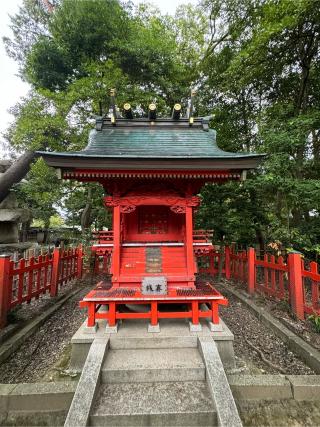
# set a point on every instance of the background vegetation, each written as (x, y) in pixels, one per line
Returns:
(254, 63)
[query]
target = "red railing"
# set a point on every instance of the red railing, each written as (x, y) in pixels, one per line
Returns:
(204, 236)
(239, 266)
(311, 283)
(69, 265)
(103, 236)
(209, 263)
(271, 276)
(290, 281)
(27, 279)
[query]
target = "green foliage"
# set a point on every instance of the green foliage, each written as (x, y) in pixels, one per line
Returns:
(256, 67)
(41, 193)
(315, 320)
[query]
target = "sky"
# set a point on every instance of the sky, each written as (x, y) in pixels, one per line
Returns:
(12, 88)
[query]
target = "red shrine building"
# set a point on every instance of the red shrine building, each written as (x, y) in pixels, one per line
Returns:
(152, 170)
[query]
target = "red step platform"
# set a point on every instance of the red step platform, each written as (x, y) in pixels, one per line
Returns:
(114, 297)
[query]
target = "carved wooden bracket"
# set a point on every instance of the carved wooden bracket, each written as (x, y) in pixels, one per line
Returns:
(128, 203)
(178, 209)
(127, 208)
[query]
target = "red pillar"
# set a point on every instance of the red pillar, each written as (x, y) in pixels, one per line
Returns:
(4, 285)
(296, 284)
(55, 272)
(195, 312)
(189, 241)
(227, 262)
(154, 313)
(80, 262)
(116, 244)
(251, 254)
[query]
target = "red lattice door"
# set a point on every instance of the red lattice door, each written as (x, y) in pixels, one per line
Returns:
(153, 220)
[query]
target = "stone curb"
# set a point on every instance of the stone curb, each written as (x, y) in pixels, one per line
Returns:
(57, 396)
(309, 354)
(218, 384)
(261, 387)
(15, 341)
(88, 385)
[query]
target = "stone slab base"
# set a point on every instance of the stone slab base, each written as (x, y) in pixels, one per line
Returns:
(154, 328)
(195, 328)
(90, 329)
(112, 329)
(133, 334)
(215, 327)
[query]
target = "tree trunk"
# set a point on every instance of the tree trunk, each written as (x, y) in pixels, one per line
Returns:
(86, 213)
(15, 173)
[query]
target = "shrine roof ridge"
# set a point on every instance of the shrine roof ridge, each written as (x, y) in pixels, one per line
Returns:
(138, 138)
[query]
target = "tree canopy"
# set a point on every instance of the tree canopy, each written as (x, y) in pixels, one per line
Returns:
(255, 65)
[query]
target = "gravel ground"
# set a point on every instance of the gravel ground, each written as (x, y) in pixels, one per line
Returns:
(44, 348)
(282, 311)
(26, 311)
(249, 333)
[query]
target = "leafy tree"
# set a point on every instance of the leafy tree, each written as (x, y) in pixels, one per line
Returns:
(255, 64)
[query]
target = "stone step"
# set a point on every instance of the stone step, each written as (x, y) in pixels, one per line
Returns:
(151, 365)
(154, 404)
(118, 343)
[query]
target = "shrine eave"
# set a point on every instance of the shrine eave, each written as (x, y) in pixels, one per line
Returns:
(98, 175)
(72, 161)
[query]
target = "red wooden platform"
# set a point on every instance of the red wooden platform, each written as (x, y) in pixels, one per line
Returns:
(114, 297)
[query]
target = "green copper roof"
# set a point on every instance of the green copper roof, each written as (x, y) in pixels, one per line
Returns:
(153, 143)
(144, 142)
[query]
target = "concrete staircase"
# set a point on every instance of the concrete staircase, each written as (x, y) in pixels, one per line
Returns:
(153, 387)
(134, 378)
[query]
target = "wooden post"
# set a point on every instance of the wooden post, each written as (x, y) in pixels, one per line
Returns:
(296, 284)
(55, 272)
(79, 262)
(4, 285)
(214, 312)
(195, 312)
(227, 262)
(112, 314)
(189, 241)
(314, 286)
(154, 313)
(116, 244)
(251, 270)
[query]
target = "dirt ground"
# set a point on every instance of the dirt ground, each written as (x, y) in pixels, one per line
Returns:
(258, 350)
(48, 348)
(280, 413)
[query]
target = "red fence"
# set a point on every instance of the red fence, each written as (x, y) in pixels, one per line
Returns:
(29, 278)
(290, 280)
(210, 263)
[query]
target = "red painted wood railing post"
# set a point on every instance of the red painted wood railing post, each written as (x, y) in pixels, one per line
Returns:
(4, 285)
(251, 270)
(314, 286)
(79, 262)
(296, 284)
(55, 272)
(227, 262)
